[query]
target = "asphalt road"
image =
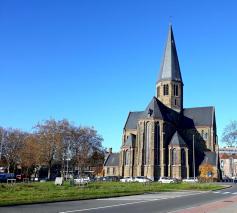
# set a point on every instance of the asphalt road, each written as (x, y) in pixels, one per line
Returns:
(148, 203)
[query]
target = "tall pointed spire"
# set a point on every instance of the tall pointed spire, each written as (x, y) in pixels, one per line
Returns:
(170, 69)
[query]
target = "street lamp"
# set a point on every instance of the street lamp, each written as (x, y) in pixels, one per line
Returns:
(2, 140)
(194, 175)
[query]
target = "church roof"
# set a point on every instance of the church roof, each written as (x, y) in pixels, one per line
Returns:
(132, 119)
(155, 109)
(210, 158)
(199, 116)
(177, 140)
(112, 160)
(170, 69)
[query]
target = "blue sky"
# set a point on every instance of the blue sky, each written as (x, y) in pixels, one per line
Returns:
(93, 61)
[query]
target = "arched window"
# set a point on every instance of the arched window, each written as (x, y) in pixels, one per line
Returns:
(206, 136)
(158, 91)
(166, 89)
(157, 144)
(183, 157)
(174, 157)
(147, 144)
(176, 90)
(127, 155)
(202, 133)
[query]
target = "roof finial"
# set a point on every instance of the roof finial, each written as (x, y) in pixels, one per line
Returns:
(170, 20)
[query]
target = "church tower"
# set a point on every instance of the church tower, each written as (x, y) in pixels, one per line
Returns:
(169, 87)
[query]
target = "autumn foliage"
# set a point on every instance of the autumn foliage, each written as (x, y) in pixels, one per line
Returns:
(51, 143)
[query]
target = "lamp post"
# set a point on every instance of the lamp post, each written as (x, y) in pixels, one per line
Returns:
(2, 140)
(68, 159)
(162, 154)
(194, 175)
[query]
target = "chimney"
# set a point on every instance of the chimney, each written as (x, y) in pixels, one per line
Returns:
(110, 150)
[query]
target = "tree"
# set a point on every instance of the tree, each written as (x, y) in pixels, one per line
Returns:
(206, 170)
(50, 143)
(86, 142)
(229, 135)
(13, 142)
(29, 156)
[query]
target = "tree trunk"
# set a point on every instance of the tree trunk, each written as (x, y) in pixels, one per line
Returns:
(8, 168)
(49, 172)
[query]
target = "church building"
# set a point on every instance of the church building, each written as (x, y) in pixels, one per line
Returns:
(166, 139)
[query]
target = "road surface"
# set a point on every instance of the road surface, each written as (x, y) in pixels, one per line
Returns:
(147, 203)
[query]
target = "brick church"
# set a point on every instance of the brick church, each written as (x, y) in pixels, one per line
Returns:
(165, 138)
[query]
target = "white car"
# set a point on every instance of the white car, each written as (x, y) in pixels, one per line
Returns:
(190, 180)
(142, 179)
(166, 180)
(127, 179)
(81, 180)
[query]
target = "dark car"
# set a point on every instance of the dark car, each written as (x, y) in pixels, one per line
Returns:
(111, 178)
(5, 176)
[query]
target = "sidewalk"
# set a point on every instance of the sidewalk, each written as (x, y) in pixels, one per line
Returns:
(227, 205)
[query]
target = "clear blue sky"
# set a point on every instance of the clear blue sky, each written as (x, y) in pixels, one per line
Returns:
(93, 61)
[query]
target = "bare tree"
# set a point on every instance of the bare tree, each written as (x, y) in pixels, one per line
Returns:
(86, 143)
(13, 142)
(229, 135)
(50, 143)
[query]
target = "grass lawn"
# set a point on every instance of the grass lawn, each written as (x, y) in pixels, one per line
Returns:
(47, 192)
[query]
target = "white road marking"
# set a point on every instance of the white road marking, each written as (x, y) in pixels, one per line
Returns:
(224, 193)
(235, 193)
(138, 199)
(104, 207)
(157, 196)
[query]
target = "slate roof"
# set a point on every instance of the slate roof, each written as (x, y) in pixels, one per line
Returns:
(210, 158)
(170, 69)
(200, 116)
(155, 109)
(112, 160)
(132, 119)
(177, 140)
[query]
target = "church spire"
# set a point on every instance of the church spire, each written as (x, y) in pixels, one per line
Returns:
(170, 69)
(169, 87)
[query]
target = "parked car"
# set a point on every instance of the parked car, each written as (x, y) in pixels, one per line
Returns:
(127, 179)
(142, 179)
(167, 180)
(5, 176)
(99, 179)
(111, 178)
(226, 179)
(190, 180)
(82, 180)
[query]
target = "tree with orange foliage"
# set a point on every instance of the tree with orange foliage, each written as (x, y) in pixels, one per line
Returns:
(206, 170)
(29, 154)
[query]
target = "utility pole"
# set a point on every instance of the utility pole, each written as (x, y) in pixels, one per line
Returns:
(2, 140)
(194, 175)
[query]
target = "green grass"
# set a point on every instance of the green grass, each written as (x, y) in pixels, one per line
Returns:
(47, 192)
